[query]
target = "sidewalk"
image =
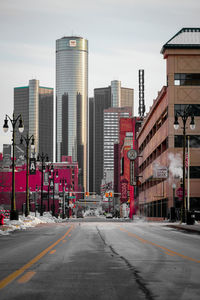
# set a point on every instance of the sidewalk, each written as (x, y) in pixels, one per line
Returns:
(184, 227)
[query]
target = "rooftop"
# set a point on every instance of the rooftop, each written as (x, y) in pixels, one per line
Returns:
(185, 38)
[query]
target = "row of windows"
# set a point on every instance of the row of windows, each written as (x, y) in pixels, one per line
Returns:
(192, 108)
(157, 152)
(187, 79)
(155, 208)
(194, 141)
(155, 128)
(194, 172)
(149, 183)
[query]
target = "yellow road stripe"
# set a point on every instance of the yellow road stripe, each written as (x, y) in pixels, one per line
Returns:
(52, 252)
(159, 246)
(169, 253)
(18, 272)
(26, 277)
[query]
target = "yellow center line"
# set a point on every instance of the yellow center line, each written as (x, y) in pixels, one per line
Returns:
(26, 277)
(4, 282)
(53, 251)
(169, 252)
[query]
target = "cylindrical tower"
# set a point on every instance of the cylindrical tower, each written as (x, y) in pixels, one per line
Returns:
(72, 101)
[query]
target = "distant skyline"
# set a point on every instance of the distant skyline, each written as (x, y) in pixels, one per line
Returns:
(124, 36)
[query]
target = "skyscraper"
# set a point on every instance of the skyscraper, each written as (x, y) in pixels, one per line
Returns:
(35, 104)
(104, 98)
(72, 101)
(111, 133)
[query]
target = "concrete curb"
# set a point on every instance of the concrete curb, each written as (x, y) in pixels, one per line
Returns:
(186, 228)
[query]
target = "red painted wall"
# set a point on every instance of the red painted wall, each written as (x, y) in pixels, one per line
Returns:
(128, 125)
(66, 171)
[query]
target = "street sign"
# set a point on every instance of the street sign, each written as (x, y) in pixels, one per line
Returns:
(179, 192)
(160, 172)
(32, 166)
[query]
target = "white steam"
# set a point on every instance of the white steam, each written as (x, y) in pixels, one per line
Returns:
(175, 165)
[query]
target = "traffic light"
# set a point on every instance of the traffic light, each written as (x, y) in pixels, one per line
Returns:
(107, 195)
(87, 194)
(110, 194)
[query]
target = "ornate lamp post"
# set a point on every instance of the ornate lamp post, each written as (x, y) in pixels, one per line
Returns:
(42, 158)
(13, 211)
(184, 115)
(27, 140)
(52, 183)
(63, 182)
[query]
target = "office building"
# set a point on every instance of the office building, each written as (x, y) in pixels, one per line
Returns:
(104, 98)
(35, 104)
(121, 97)
(111, 134)
(160, 144)
(91, 142)
(72, 101)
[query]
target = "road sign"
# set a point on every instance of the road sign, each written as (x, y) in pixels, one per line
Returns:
(179, 192)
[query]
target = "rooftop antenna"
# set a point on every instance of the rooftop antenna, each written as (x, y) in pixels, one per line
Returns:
(141, 109)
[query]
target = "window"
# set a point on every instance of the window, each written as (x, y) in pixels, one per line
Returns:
(193, 108)
(194, 141)
(195, 172)
(186, 79)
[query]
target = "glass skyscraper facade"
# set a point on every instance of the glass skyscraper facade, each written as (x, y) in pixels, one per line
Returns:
(72, 101)
(35, 104)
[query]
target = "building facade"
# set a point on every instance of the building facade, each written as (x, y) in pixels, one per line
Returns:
(91, 142)
(72, 101)
(160, 145)
(111, 134)
(66, 170)
(104, 98)
(35, 104)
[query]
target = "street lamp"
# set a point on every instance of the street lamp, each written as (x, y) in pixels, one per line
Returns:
(63, 181)
(36, 196)
(52, 183)
(184, 116)
(27, 140)
(173, 207)
(13, 211)
(42, 158)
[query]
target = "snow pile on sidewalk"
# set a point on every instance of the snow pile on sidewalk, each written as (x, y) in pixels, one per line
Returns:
(26, 222)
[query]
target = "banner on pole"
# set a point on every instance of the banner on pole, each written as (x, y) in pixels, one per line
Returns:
(32, 166)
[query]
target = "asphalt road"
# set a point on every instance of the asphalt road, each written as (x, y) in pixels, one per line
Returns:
(100, 260)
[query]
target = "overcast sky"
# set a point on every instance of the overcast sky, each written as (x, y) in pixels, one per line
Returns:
(124, 36)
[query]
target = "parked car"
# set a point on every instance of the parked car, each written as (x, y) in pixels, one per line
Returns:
(109, 216)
